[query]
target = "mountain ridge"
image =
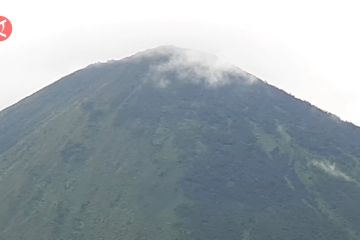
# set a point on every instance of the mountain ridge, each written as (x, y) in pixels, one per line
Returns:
(175, 146)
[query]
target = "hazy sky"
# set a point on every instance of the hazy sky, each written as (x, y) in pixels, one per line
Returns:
(309, 48)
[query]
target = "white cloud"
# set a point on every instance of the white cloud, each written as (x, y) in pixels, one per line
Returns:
(313, 57)
(194, 66)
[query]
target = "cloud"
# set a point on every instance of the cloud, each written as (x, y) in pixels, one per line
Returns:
(194, 66)
(332, 170)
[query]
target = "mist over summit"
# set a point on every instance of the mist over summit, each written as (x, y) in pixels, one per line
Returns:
(175, 144)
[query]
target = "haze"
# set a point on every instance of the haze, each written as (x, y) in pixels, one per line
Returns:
(308, 48)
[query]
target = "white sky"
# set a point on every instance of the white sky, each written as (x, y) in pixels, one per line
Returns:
(309, 48)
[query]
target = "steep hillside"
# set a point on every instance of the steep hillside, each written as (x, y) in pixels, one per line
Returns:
(173, 144)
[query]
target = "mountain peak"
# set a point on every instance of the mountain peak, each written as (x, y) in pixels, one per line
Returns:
(186, 63)
(141, 148)
(191, 64)
(170, 52)
(163, 50)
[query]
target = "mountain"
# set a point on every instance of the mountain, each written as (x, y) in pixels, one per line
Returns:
(174, 144)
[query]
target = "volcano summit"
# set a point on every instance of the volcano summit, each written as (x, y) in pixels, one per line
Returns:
(172, 144)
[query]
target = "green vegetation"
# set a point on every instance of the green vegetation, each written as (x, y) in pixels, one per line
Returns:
(108, 154)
